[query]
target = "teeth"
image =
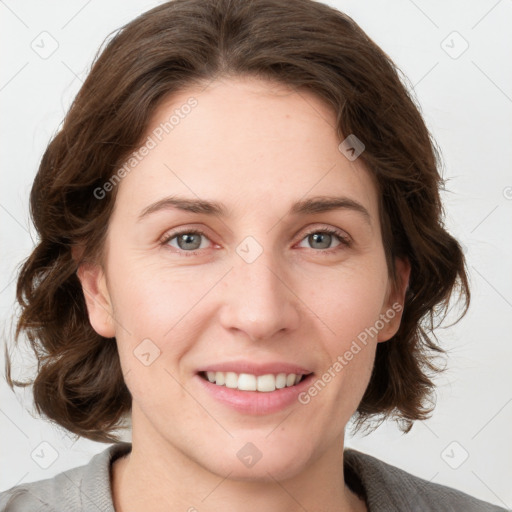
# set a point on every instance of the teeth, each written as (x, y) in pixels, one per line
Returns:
(248, 382)
(280, 380)
(231, 380)
(267, 383)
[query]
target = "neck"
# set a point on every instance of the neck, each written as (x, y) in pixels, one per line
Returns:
(159, 477)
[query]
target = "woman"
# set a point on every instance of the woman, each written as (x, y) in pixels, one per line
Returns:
(241, 242)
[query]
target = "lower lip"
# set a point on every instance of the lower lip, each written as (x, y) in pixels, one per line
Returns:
(256, 402)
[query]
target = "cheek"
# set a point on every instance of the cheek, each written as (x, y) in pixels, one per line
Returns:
(152, 300)
(348, 302)
(160, 314)
(154, 332)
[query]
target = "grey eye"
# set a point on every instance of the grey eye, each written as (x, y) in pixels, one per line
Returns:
(322, 240)
(189, 241)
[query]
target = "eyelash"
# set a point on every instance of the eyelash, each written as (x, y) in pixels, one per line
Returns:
(344, 240)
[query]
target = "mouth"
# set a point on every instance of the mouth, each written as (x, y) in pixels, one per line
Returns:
(266, 383)
(254, 388)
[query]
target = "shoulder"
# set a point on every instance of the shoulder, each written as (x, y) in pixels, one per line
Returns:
(389, 488)
(85, 488)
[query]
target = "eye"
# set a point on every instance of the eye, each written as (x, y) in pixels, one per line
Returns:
(187, 241)
(323, 238)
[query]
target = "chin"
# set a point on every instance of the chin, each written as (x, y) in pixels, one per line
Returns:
(263, 471)
(259, 461)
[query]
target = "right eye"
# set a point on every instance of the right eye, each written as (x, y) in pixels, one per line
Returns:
(187, 240)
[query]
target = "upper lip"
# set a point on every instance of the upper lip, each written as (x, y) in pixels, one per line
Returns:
(254, 368)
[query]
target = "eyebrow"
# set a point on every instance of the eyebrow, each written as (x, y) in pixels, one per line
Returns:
(310, 206)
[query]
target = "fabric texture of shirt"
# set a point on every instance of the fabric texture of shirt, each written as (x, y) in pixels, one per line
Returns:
(387, 488)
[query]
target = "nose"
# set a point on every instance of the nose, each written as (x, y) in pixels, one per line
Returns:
(258, 299)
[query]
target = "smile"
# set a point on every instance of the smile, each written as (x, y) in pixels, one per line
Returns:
(247, 393)
(249, 382)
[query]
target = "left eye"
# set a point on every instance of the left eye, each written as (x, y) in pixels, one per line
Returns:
(324, 238)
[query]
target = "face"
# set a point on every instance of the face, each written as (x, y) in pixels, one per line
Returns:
(262, 283)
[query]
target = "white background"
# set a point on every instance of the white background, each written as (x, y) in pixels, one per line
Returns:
(467, 104)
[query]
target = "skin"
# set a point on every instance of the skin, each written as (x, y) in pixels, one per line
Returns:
(257, 147)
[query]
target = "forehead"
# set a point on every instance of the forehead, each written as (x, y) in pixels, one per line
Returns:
(248, 143)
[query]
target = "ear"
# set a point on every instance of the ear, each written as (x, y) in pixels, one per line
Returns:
(391, 313)
(97, 299)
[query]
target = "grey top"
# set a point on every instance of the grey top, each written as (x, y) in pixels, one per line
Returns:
(386, 488)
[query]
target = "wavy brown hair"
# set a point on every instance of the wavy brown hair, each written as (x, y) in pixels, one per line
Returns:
(303, 44)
